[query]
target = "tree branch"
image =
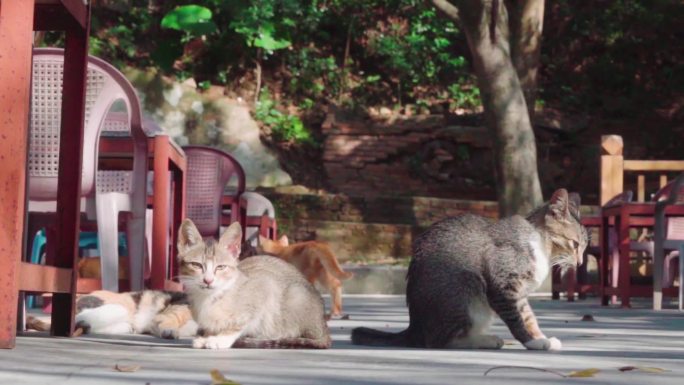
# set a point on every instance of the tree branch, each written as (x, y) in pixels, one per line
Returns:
(447, 8)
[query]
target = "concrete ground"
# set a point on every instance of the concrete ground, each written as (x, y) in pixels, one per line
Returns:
(615, 338)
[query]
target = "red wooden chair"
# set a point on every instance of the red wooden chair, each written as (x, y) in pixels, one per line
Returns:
(669, 236)
(576, 278)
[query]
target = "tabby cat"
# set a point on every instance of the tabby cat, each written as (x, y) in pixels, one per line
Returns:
(260, 302)
(315, 261)
(465, 269)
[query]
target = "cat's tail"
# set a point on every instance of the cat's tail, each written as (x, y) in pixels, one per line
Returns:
(284, 343)
(373, 337)
(331, 265)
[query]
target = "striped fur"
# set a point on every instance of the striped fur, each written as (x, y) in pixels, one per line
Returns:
(467, 269)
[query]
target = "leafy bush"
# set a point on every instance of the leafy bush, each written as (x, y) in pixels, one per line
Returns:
(283, 126)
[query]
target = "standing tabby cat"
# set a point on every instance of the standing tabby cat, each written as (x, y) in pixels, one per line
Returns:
(465, 269)
(260, 302)
(315, 261)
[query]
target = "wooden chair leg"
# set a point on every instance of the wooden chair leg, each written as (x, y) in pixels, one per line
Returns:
(571, 276)
(556, 282)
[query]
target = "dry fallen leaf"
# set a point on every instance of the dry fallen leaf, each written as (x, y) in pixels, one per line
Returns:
(525, 368)
(646, 369)
(217, 378)
(651, 369)
(584, 373)
(126, 368)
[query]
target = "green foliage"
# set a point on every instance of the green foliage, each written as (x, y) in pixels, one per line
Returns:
(418, 47)
(314, 76)
(192, 19)
(396, 51)
(261, 26)
(464, 95)
(283, 126)
(620, 56)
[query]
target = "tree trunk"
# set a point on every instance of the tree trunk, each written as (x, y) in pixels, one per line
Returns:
(487, 29)
(526, 19)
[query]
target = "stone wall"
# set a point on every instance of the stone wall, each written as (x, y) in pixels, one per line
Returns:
(407, 156)
(366, 228)
(369, 228)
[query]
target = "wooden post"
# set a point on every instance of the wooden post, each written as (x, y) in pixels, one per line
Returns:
(663, 180)
(71, 158)
(612, 167)
(16, 35)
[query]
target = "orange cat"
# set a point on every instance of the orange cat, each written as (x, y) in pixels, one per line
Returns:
(90, 268)
(315, 261)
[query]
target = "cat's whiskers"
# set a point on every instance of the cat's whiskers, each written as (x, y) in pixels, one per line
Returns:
(565, 261)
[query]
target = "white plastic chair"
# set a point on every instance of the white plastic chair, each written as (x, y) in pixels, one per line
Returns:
(260, 218)
(111, 192)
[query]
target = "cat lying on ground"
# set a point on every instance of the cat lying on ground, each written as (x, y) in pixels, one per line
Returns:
(162, 314)
(260, 302)
(315, 261)
(467, 268)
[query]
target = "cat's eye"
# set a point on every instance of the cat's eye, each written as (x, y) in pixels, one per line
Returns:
(221, 267)
(574, 244)
(196, 265)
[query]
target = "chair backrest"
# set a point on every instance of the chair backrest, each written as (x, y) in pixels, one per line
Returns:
(257, 205)
(104, 86)
(674, 190)
(623, 197)
(665, 191)
(209, 171)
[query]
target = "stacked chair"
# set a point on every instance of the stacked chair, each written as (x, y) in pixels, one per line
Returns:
(105, 193)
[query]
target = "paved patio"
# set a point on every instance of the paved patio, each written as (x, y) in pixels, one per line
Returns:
(616, 338)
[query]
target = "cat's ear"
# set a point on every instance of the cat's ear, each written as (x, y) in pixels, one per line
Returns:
(263, 240)
(231, 239)
(575, 203)
(559, 204)
(284, 241)
(188, 236)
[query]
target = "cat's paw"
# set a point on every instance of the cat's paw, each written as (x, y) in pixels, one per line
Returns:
(199, 343)
(491, 342)
(219, 342)
(552, 343)
(214, 342)
(338, 316)
(169, 334)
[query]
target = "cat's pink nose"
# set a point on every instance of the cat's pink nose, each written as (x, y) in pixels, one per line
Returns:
(208, 281)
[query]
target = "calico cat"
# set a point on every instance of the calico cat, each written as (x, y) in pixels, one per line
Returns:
(260, 302)
(315, 261)
(465, 269)
(162, 314)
